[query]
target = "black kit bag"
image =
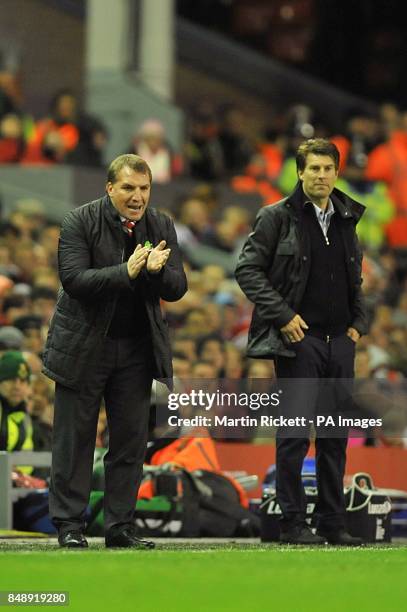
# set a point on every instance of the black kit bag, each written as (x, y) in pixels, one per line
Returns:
(179, 488)
(220, 511)
(209, 503)
(171, 512)
(368, 511)
(158, 516)
(184, 504)
(31, 513)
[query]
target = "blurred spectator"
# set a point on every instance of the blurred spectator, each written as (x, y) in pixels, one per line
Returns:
(213, 313)
(211, 348)
(34, 363)
(66, 135)
(14, 307)
(400, 314)
(5, 285)
(7, 104)
(29, 257)
(186, 345)
(89, 151)
(211, 278)
(30, 327)
(151, 144)
(41, 409)
(195, 323)
(46, 277)
(390, 118)
(16, 426)
(205, 369)
(195, 215)
(208, 194)
(181, 365)
(388, 162)
(43, 302)
(11, 139)
(362, 134)
(380, 210)
(203, 151)
(9, 234)
(49, 239)
(230, 230)
(11, 338)
(262, 172)
(29, 217)
(233, 141)
(234, 361)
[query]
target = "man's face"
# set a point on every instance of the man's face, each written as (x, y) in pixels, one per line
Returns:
(130, 193)
(204, 370)
(319, 176)
(15, 390)
(213, 352)
(33, 341)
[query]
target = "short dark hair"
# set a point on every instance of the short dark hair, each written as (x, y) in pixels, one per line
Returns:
(209, 338)
(129, 160)
(14, 301)
(317, 146)
(180, 355)
(41, 292)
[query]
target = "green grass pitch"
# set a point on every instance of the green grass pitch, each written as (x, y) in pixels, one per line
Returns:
(195, 576)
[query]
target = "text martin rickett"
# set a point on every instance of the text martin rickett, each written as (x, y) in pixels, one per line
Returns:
(243, 421)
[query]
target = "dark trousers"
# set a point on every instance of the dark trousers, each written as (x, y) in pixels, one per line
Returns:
(123, 377)
(306, 394)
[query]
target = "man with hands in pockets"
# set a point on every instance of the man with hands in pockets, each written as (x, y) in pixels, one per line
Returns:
(301, 267)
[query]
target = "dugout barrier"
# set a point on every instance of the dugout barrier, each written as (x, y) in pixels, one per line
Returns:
(387, 466)
(8, 494)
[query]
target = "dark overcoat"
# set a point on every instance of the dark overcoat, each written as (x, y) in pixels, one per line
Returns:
(93, 273)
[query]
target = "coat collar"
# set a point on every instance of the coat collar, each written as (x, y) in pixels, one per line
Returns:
(114, 217)
(346, 206)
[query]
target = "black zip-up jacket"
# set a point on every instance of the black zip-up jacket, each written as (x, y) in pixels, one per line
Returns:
(274, 265)
(93, 272)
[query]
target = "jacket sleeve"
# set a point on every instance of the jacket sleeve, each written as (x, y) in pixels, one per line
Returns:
(360, 312)
(78, 278)
(253, 266)
(170, 284)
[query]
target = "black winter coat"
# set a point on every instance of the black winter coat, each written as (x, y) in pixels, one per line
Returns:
(274, 265)
(92, 273)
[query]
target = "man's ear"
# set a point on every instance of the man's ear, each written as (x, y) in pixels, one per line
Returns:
(109, 186)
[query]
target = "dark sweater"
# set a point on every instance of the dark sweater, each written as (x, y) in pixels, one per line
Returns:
(130, 317)
(325, 306)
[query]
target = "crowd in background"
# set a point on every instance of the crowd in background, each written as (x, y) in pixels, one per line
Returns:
(209, 325)
(222, 145)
